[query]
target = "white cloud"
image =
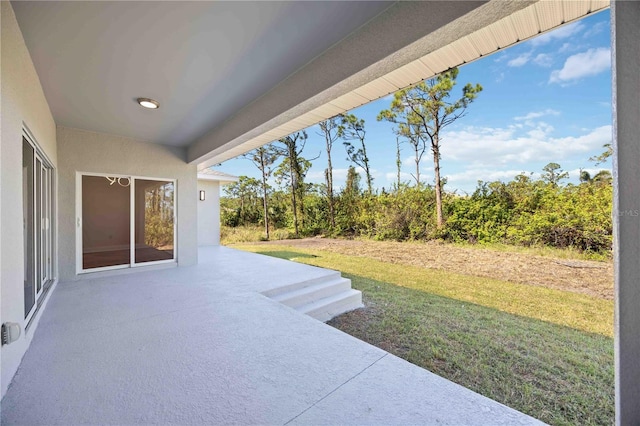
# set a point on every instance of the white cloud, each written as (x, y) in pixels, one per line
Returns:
(575, 173)
(540, 131)
(566, 47)
(596, 29)
(543, 60)
(520, 60)
(508, 146)
(409, 162)
(316, 175)
(483, 174)
(537, 114)
(501, 57)
(392, 177)
(591, 62)
(558, 34)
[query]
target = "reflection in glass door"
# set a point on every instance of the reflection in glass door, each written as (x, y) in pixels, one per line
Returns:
(154, 220)
(106, 224)
(28, 207)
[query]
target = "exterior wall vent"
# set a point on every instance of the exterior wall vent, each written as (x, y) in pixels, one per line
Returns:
(10, 332)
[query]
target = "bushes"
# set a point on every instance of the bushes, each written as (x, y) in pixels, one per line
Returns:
(522, 212)
(529, 213)
(407, 214)
(572, 216)
(484, 217)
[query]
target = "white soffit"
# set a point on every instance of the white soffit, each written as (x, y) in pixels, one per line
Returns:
(531, 21)
(216, 176)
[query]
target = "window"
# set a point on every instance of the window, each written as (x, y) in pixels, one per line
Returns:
(37, 207)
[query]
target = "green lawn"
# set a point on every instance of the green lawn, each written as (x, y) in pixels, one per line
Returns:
(545, 352)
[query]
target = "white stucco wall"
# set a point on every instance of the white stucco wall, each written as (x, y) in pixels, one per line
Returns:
(85, 151)
(209, 214)
(22, 103)
(625, 16)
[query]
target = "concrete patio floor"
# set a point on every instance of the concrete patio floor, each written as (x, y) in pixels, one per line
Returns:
(201, 345)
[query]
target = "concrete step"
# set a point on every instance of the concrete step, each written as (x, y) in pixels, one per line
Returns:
(328, 307)
(306, 295)
(328, 276)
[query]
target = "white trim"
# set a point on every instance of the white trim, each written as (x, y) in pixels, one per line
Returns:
(105, 268)
(78, 222)
(222, 179)
(132, 222)
(135, 264)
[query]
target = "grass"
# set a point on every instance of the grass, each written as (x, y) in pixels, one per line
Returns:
(582, 312)
(544, 352)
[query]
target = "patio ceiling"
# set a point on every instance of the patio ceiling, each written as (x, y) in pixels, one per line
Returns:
(231, 76)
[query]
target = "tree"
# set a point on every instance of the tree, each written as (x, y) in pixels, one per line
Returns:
(398, 164)
(411, 132)
(349, 204)
(352, 129)
(330, 130)
(264, 158)
(245, 191)
(603, 176)
(352, 183)
(608, 152)
(292, 170)
(553, 174)
(424, 110)
(585, 176)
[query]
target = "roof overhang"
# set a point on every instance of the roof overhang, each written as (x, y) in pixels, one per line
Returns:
(232, 76)
(321, 90)
(215, 176)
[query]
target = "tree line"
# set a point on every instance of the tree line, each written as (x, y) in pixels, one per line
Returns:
(523, 211)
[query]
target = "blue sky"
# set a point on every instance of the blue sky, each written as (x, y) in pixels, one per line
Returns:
(544, 100)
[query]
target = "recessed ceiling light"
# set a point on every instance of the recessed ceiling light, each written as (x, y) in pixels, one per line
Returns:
(148, 103)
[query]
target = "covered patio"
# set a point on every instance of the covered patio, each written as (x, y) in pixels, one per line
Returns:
(193, 339)
(203, 345)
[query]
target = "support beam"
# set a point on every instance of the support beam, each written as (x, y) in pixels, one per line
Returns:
(625, 32)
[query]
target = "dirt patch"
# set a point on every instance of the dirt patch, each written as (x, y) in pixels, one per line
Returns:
(578, 276)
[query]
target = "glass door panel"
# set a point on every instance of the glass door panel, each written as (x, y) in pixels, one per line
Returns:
(28, 157)
(38, 223)
(154, 220)
(106, 222)
(45, 226)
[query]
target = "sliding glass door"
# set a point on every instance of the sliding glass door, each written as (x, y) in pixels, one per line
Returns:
(37, 206)
(126, 221)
